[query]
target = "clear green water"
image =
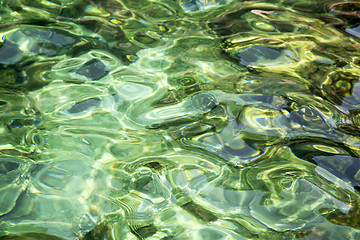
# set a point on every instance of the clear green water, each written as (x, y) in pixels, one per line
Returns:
(176, 119)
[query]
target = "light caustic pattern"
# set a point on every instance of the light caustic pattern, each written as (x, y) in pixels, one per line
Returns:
(177, 119)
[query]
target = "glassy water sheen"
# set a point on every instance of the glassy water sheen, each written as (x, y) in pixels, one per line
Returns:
(179, 119)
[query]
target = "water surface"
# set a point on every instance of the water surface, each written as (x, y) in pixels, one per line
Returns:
(179, 119)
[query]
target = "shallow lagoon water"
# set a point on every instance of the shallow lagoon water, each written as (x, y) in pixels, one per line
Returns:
(177, 119)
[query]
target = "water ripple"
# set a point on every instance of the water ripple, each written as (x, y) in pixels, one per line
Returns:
(179, 119)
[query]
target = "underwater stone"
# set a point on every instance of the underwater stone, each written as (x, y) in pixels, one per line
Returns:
(84, 105)
(355, 31)
(255, 54)
(10, 53)
(93, 69)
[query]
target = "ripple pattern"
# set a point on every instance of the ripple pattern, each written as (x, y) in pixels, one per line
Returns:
(183, 119)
